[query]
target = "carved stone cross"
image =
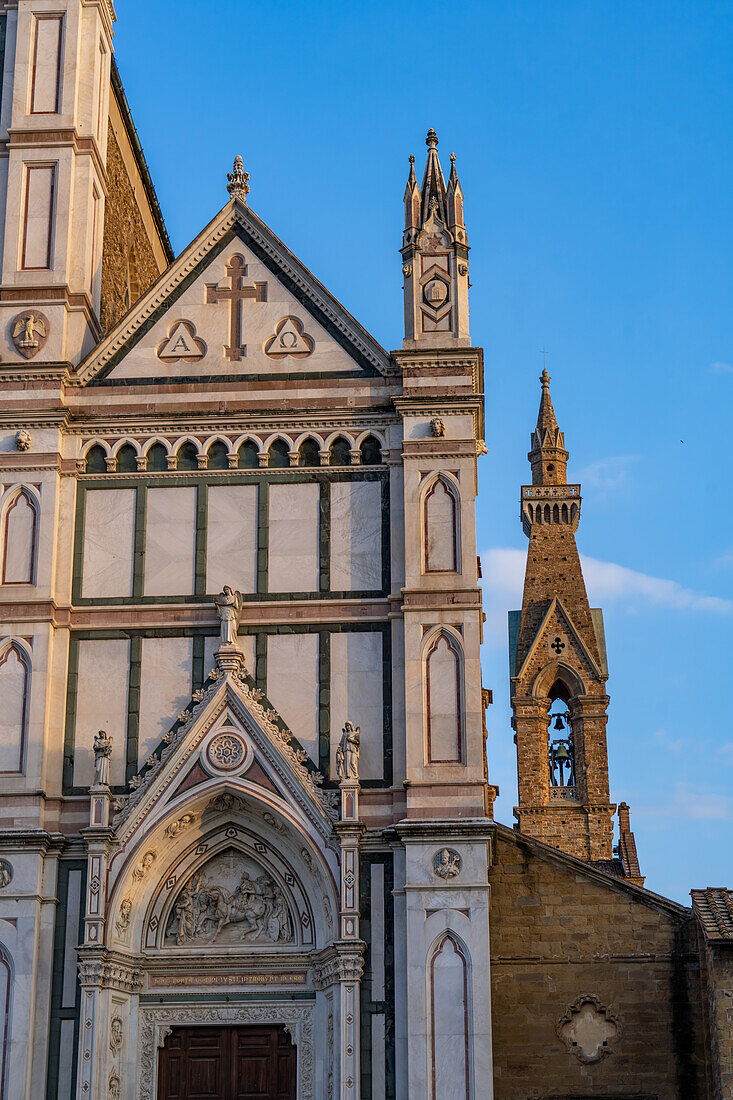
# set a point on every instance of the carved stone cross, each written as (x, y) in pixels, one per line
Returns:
(235, 295)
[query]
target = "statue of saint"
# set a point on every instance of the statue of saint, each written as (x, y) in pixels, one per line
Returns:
(102, 754)
(229, 606)
(347, 754)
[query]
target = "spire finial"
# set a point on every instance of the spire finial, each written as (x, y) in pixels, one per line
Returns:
(545, 379)
(238, 185)
(432, 139)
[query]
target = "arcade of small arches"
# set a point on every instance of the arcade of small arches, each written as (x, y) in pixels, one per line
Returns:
(161, 455)
(552, 513)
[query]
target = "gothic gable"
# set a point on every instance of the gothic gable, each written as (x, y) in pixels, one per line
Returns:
(558, 640)
(236, 304)
(229, 737)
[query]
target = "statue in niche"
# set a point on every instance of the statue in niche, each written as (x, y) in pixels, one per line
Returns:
(230, 902)
(102, 754)
(229, 606)
(347, 753)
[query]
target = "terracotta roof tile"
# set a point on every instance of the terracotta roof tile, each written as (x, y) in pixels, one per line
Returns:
(714, 909)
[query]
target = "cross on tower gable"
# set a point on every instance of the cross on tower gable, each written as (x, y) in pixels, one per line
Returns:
(235, 295)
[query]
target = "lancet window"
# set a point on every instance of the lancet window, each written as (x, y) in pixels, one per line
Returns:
(560, 745)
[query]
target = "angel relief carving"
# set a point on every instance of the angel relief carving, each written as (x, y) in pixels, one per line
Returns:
(231, 900)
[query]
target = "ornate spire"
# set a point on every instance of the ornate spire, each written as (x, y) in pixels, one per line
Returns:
(435, 256)
(238, 185)
(412, 198)
(433, 184)
(548, 455)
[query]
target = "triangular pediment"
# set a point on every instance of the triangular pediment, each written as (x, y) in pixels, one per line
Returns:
(229, 736)
(558, 629)
(237, 304)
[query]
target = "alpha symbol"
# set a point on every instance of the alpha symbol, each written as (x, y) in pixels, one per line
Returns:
(182, 343)
(558, 645)
(289, 338)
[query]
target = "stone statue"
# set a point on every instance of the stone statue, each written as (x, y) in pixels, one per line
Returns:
(229, 606)
(102, 754)
(347, 754)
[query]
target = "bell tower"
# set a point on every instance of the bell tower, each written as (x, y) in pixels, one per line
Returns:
(558, 666)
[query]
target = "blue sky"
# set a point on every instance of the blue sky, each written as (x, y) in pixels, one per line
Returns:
(594, 149)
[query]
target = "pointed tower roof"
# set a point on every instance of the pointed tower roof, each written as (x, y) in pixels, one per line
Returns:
(433, 184)
(548, 455)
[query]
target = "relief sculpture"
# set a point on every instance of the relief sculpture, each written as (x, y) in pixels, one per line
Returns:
(230, 901)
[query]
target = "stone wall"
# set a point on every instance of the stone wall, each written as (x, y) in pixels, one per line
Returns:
(560, 932)
(717, 987)
(128, 260)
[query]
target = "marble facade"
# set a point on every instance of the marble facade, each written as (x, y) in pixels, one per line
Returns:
(233, 861)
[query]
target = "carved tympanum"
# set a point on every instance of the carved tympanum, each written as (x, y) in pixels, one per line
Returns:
(231, 900)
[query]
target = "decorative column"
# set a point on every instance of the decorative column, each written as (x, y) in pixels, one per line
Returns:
(350, 947)
(98, 837)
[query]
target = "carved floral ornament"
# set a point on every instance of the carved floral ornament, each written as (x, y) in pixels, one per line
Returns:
(589, 1029)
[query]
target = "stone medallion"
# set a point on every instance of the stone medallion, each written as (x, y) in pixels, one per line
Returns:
(447, 863)
(226, 752)
(6, 873)
(29, 331)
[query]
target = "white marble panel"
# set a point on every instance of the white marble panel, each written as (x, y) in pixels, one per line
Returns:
(440, 529)
(165, 688)
(170, 539)
(443, 702)
(19, 541)
(109, 538)
(101, 704)
(356, 535)
(293, 537)
(38, 217)
(356, 696)
(246, 642)
(46, 72)
(450, 1040)
(292, 685)
(14, 696)
(231, 538)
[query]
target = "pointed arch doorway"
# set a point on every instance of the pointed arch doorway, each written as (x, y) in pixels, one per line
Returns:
(228, 1063)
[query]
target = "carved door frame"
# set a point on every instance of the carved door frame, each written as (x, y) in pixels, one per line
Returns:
(156, 1022)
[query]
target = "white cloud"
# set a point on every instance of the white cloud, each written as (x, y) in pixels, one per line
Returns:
(607, 474)
(689, 804)
(721, 368)
(607, 583)
(674, 745)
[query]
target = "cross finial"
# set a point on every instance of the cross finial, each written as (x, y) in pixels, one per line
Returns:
(238, 185)
(544, 353)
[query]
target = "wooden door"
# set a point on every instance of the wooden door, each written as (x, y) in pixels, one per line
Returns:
(229, 1063)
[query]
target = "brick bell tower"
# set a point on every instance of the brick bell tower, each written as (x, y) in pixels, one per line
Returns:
(558, 669)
